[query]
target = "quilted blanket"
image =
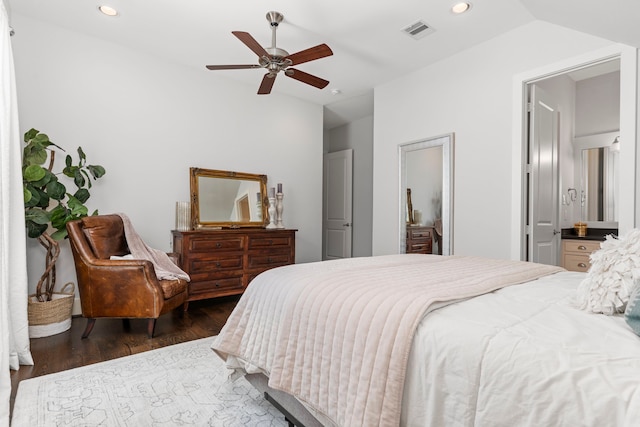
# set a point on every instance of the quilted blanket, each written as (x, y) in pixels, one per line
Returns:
(337, 334)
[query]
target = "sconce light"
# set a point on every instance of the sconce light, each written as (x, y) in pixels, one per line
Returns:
(615, 145)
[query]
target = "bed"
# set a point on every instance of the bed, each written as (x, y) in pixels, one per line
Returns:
(506, 346)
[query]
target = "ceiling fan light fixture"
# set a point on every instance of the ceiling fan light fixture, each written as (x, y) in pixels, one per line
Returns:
(461, 7)
(108, 10)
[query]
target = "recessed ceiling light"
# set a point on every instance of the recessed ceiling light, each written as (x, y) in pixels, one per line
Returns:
(460, 7)
(108, 10)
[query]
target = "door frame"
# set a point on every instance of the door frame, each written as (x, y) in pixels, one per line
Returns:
(628, 132)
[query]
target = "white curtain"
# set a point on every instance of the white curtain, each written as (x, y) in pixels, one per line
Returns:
(14, 327)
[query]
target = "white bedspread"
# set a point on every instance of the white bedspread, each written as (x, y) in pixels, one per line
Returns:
(337, 334)
(523, 356)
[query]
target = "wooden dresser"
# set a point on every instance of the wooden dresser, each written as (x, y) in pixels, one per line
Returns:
(223, 262)
(419, 240)
(575, 253)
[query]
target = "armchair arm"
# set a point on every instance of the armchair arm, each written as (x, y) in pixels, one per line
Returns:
(120, 288)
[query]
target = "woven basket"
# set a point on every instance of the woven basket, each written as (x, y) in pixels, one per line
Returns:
(51, 317)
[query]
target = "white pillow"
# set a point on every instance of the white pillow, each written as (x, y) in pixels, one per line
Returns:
(127, 256)
(610, 279)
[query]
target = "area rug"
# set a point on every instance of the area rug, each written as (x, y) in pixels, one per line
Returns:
(180, 385)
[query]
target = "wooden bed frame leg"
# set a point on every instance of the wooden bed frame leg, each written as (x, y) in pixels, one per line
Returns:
(151, 326)
(87, 330)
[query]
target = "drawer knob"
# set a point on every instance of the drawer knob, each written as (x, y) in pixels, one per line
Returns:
(582, 265)
(218, 264)
(217, 285)
(582, 248)
(218, 245)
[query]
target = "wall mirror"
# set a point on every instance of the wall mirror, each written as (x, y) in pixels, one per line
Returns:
(227, 199)
(426, 183)
(597, 161)
(600, 184)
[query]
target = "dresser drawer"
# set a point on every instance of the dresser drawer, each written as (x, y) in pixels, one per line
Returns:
(222, 244)
(576, 262)
(216, 285)
(419, 234)
(262, 242)
(213, 264)
(271, 259)
(577, 246)
(419, 247)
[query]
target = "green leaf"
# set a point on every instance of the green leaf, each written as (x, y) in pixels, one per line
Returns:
(33, 173)
(60, 234)
(39, 198)
(96, 170)
(41, 139)
(48, 177)
(68, 161)
(82, 195)
(78, 178)
(56, 190)
(34, 155)
(37, 216)
(35, 230)
(60, 216)
(78, 209)
(30, 134)
(81, 155)
(26, 195)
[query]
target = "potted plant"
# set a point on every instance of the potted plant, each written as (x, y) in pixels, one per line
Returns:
(49, 206)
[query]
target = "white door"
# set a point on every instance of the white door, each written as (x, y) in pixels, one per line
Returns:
(543, 218)
(337, 204)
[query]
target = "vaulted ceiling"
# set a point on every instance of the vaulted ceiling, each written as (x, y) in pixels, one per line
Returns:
(367, 37)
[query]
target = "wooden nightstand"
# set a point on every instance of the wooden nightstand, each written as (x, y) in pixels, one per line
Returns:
(419, 240)
(575, 253)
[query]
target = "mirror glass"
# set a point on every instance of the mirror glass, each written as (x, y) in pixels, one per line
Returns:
(227, 199)
(600, 184)
(426, 191)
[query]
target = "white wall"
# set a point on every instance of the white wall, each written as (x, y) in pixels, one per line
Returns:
(470, 94)
(358, 135)
(147, 121)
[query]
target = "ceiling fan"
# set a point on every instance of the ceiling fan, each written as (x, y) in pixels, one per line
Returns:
(274, 59)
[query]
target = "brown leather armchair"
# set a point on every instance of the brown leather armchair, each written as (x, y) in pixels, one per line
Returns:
(125, 288)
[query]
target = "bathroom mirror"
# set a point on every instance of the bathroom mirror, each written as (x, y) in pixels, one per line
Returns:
(600, 184)
(227, 199)
(426, 168)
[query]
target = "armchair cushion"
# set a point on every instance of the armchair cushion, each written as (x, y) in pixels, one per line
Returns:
(105, 235)
(171, 288)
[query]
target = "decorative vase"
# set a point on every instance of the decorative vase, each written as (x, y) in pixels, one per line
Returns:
(272, 213)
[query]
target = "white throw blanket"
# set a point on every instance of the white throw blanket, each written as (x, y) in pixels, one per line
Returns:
(164, 267)
(337, 334)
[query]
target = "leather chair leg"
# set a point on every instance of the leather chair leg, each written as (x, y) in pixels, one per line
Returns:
(87, 330)
(151, 326)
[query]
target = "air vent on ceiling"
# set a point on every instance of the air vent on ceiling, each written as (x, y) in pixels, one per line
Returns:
(418, 30)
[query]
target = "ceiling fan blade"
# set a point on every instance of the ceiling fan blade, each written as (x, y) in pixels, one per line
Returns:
(231, 67)
(251, 43)
(267, 83)
(306, 78)
(310, 54)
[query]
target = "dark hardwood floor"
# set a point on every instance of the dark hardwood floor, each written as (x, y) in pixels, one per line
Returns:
(110, 339)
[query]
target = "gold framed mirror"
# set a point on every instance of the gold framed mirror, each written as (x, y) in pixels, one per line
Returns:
(226, 199)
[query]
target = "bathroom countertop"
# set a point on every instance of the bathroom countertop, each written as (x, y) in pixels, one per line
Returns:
(597, 234)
